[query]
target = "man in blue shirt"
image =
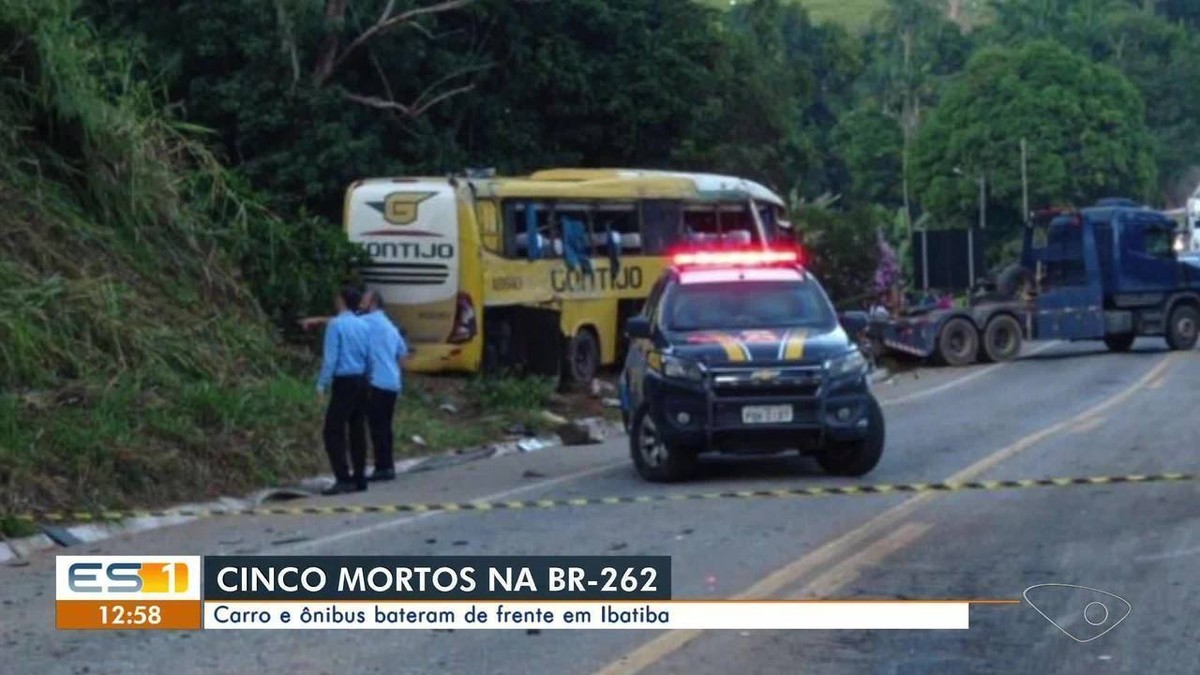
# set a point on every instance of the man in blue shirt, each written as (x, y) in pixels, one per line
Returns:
(344, 371)
(387, 352)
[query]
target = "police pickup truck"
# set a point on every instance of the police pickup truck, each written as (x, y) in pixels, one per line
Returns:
(742, 352)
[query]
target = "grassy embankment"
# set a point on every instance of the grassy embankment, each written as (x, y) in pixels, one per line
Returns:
(136, 368)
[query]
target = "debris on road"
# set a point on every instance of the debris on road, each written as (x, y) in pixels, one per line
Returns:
(585, 431)
(531, 445)
(602, 389)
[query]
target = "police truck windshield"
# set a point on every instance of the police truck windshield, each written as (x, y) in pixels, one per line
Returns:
(746, 305)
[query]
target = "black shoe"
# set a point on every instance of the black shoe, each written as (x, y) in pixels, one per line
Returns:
(339, 488)
(361, 487)
(386, 474)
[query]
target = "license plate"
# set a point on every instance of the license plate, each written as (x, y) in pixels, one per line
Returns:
(767, 414)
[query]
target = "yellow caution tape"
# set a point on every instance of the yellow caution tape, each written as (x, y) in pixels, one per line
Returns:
(778, 493)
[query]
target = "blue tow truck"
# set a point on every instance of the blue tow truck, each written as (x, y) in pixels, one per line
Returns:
(1110, 272)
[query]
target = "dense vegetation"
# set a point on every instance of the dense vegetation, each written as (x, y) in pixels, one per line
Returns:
(306, 95)
(172, 172)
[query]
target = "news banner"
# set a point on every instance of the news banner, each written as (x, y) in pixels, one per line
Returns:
(443, 592)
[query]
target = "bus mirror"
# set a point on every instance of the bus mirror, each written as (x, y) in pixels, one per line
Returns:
(637, 328)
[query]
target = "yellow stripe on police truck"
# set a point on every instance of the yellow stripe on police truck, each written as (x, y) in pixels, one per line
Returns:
(734, 350)
(793, 347)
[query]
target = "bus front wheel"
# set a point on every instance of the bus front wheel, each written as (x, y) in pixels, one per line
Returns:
(581, 359)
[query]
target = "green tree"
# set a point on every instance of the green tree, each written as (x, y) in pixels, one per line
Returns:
(843, 247)
(778, 85)
(589, 82)
(913, 48)
(752, 119)
(304, 97)
(1083, 121)
(871, 143)
(1150, 42)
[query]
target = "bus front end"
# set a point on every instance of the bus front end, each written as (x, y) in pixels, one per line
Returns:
(414, 233)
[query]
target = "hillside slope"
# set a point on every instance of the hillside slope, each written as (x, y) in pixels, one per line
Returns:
(133, 361)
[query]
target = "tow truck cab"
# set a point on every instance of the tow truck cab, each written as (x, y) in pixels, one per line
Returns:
(1115, 270)
(743, 353)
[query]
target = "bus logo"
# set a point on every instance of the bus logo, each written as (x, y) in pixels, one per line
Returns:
(400, 208)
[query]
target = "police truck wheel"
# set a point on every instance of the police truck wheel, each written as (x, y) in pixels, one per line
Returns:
(654, 459)
(1183, 327)
(1119, 342)
(1001, 339)
(581, 359)
(857, 458)
(958, 343)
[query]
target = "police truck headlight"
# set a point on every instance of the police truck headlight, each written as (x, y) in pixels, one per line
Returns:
(680, 368)
(850, 364)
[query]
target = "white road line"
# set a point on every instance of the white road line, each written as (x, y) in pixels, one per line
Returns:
(400, 522)
(1168, 555)
(965, 378)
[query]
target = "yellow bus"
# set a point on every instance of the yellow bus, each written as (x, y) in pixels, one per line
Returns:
(538, 273)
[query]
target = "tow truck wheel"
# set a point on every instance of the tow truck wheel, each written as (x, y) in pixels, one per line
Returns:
(1122, 342)
(1001, 339)
(1183, 327)
(958, 343)
(654, 459)
(857, 458)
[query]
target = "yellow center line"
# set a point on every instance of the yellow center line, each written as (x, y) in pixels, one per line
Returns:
(866, 534)
(846, 571)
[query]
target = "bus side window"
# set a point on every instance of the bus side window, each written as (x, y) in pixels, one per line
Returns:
(662, 225)
(621, 219)
(575, 210)
(516, 232)
(737, 225)
(701, 224)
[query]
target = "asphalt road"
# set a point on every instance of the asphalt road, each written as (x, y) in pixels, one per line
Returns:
(1068, 410)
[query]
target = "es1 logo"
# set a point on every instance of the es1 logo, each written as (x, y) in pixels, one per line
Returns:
(128, 577)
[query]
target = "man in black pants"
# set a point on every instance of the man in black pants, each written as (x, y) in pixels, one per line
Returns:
(387, 353)
(344, 372)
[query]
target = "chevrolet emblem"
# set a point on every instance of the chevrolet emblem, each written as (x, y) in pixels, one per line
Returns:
(764, 375)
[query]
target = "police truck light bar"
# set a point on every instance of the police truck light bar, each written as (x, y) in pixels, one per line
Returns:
(746, 258)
